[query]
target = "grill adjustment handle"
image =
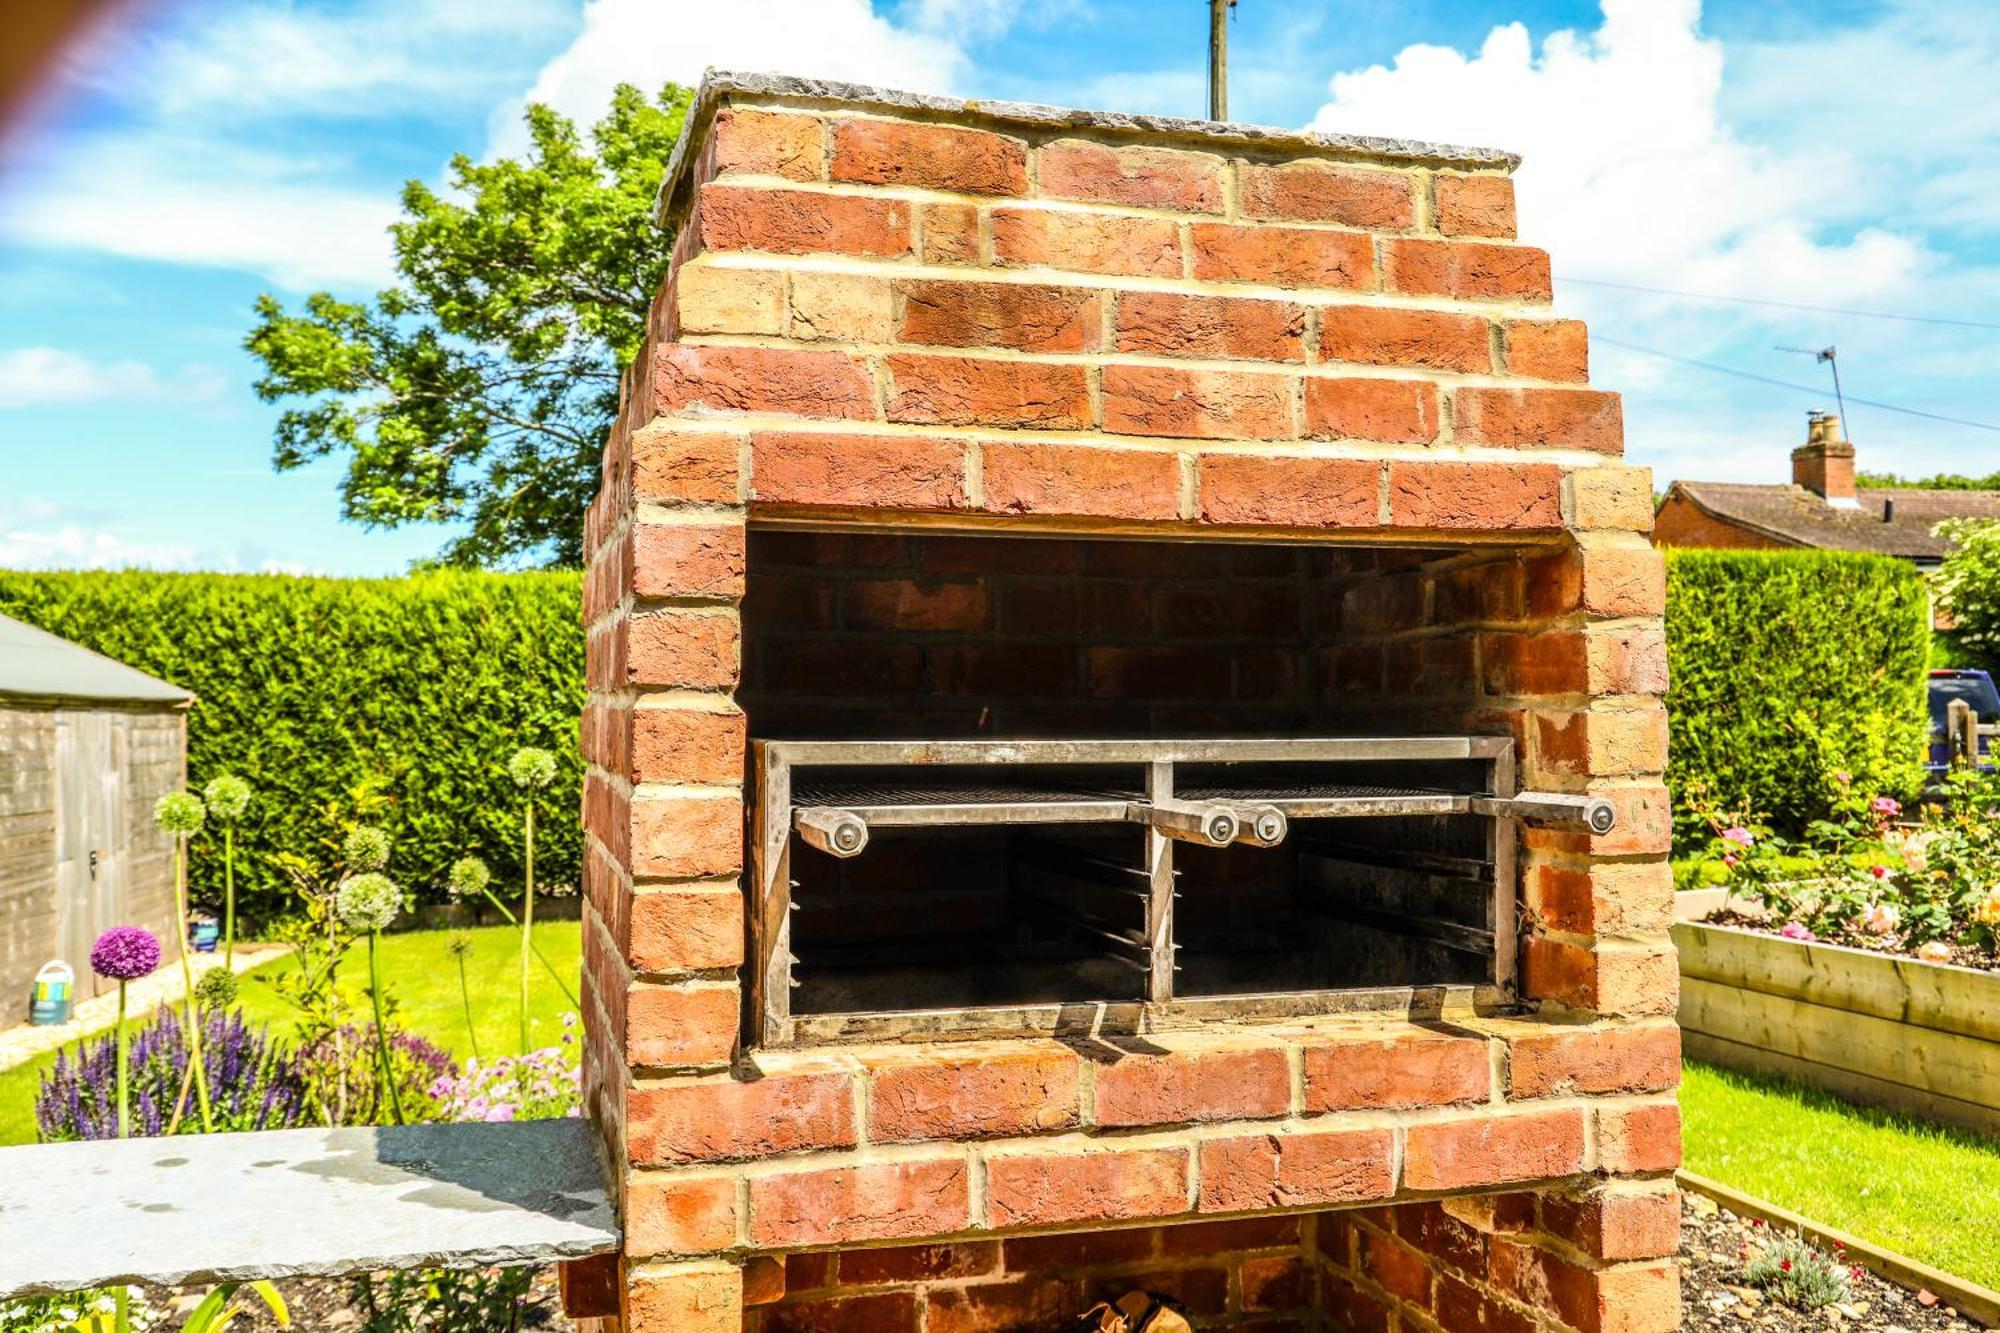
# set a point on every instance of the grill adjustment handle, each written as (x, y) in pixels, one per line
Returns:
(835, 832)
(1205, 823)
(1261, 825)
(1585, 814)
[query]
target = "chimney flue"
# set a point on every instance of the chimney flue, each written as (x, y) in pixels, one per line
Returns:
(1824, 464)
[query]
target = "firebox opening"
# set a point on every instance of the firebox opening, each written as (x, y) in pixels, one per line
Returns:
(885, 636)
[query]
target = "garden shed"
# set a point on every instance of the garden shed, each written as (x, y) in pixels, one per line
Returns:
(87, 744)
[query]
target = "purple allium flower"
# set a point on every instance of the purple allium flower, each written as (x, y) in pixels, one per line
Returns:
(125, 953)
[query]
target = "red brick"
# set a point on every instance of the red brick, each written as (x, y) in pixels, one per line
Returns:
(1424, 1069)
(861, 471)
(1566, 1061)
(1397, 1268)
(1197, 404)
(687, 837)
(1639, 1138)
(934, 157)
(916, 605)
(1081, 479)
(695, 1300)
(1137, 175)
(768, 143)
(1382, 411)
(675, 929)
(714, 1119)
(1606, 743)
(1283, 256)
(762, 379)
(1548, 349)
(687, 560)
(590, 1286)
(1296, 1170)
(1081, 1249)
(880, 1312)
(1463, 1307)
(1018, 1306)
(976, 1096)
(1184, 1086)
(1612, 576)
(1475, 206)
(1613, 1300)
(686, 466)
(1540, 418)
(920, 1263)
(876, 1201)
(1480, 496)
(970, 391)
(1289, 491)
(1027, 316)
(1086, 242)
(1627, 658)
(1389, 336)
(1276, 1282)
(1175, 324)
(673, 1026)
(1493, 1150)
(673, 1215)
(1610, 898)
(801, 222)
(1042, 1189)
(690, 649)
(1203, 1240)
(950, 233)
(1467, 270)
(1349, 1307)
(1617, 1225)
(686, 745)
(1322, 192)
(763, 1279)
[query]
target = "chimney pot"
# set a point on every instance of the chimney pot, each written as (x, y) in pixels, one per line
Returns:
(1824, 464)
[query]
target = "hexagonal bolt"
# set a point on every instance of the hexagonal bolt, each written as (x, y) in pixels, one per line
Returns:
(835, 832)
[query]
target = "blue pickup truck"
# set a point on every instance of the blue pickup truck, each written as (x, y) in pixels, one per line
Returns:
(1976, 688)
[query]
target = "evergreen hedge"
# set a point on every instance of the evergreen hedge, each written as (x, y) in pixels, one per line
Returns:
(1786, 669)
(306, 687)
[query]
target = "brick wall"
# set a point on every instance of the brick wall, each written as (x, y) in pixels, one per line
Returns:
(888, 318)
(1681, 522)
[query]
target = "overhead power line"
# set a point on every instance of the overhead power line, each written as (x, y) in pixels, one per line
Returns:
(1788, 384)
(1780, 305)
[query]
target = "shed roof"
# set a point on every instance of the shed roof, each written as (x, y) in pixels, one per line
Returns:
(1886, 521)
(37, 663)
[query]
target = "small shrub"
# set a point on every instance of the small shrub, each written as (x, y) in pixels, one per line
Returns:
(253, 1082)
(1797, 1272)
(541, 1085)
(70, 1311)
(344, 1085)
(444, 1300)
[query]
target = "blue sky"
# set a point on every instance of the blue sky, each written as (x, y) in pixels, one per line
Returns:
(1834, 154)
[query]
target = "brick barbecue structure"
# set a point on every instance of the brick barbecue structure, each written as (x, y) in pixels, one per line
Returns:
(973, 422)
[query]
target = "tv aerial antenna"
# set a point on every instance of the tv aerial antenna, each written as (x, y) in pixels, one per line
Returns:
(1218, 58)
(1830, 356)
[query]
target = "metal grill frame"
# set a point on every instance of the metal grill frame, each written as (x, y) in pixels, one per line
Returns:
(771, 1022)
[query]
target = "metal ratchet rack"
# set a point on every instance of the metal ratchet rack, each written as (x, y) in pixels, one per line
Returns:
(809, 789)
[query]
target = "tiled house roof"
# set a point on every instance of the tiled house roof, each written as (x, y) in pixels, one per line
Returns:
(1886, 522)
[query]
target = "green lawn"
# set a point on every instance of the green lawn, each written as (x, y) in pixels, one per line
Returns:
(1927, 1193)
(420, 975)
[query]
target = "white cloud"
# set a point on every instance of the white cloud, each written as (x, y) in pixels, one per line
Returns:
(1629, 170)
(69, 546)
(647, 43)
(40, 376)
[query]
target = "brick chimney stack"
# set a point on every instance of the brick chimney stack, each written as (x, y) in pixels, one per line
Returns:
(1824, 464)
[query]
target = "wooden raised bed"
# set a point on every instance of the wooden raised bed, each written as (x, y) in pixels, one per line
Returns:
(1922, 1038)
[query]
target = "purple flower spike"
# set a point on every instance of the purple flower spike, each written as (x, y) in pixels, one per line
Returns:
(125, 953)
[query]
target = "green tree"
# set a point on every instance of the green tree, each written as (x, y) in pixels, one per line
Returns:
(480, 388)
(1968, 586)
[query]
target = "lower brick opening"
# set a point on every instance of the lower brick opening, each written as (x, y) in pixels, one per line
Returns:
(1507, 1263)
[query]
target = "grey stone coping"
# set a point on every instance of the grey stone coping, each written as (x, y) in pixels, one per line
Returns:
(292, 1202)
(718, 86)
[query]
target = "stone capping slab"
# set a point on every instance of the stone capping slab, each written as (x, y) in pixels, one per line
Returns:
(718, 85)
(291, 1202)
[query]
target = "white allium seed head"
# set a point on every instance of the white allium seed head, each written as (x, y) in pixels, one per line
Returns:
(178, 812)
(468, 876)
(532, 768)
(228, 797)
(366, 848)
(368, 902)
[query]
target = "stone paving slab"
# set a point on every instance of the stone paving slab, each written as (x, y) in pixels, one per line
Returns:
(299, 1202)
